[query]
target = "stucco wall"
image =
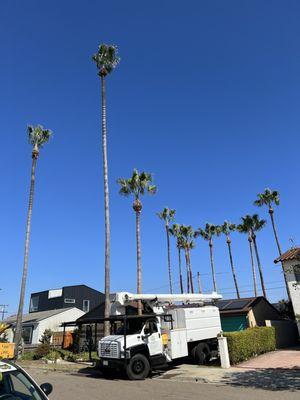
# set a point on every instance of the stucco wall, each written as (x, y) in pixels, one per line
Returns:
(293, 286)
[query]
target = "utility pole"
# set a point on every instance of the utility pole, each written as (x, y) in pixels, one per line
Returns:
(199, 282)
(3, 310)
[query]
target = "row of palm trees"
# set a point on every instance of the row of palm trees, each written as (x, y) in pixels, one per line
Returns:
(250, 225)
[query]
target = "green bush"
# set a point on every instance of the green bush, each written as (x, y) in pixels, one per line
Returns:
(42, 350)
(249, 343)
(30, 355)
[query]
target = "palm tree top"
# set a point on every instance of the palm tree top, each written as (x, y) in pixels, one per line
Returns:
(208, 232)
(138, 184)
(268, 197)
(227, 228)
(167, 215)
(106, 58)
(38, 135)
(251, 223)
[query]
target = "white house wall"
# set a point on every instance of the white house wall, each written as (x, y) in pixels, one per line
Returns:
(294, 288)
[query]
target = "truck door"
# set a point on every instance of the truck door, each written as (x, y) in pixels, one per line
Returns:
(152, 337)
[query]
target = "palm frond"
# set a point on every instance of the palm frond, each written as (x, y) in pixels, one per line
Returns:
(38, 136)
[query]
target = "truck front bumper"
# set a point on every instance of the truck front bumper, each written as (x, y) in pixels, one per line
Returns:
(113, 363)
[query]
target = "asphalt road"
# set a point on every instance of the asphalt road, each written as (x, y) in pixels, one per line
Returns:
(68, 386)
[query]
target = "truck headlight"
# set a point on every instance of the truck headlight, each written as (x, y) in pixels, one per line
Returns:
(123, 354)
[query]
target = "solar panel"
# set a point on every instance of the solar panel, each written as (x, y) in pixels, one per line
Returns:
(237, 305)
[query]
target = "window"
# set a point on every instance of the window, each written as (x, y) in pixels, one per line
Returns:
(70, 301)
(27, 334)
(297, 273)
(15, 385)
(86, 306)
(34, 304)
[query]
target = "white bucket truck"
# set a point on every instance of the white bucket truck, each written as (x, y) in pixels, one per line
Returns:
(173, 326)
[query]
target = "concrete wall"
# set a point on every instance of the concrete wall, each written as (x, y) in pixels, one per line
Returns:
(286, 333)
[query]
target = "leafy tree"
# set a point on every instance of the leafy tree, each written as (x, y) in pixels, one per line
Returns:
(269, 198)
(175, 231)
(46, 336)
(226, 229)
(167, 215)
(38, 137)
(187, 237)
(106, 60)
(137, 185)
(208, 233)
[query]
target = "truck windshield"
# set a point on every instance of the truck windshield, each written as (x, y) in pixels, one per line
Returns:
(133, 327)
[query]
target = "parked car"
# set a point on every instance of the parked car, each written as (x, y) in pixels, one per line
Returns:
(16, 384)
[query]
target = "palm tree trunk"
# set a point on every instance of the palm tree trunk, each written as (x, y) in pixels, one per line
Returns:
(253, 266)
(232, 268)
(259, 267)
(138, 259)
(271, 212)
(187, 270)
(106, 211)
(199, 282)
(180, 270)
(212, 265)
(191, 273)
(18, 330)
(169, 259)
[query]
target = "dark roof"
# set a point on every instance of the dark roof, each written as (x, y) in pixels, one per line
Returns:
(97, 314)
(37, 316)
(292, 254)
(240, 305)
(64, 287)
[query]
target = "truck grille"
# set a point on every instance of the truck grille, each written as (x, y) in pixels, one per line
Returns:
(109, 349)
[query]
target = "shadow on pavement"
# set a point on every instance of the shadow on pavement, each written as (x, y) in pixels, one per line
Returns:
(268, 379)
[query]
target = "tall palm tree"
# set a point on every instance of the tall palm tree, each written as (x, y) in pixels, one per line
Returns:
(226, 229)
(106, 60)
(167, 215)
(38, 136)
(269, 198)
(245, 227)
(199, 282)
(188, 243)
(137, 185)
(258, 224)
(208, 233)
(175, 231)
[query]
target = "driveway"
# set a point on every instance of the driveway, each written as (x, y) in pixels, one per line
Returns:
(283, 359)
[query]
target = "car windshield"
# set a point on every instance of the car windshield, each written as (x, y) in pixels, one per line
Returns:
(14, 385)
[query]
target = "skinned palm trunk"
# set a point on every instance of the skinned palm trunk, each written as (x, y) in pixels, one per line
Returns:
(138, 258)
(259, 266)
(271, 212)
(180, 270)
(187, 270)
(232, 268)
(169, 259)
(106, 210)
(253, 267)
(190, 272)
(212, 265)
(18, 331)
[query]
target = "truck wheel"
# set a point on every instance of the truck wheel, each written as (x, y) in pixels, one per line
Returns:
(138, 367)
(201, 353)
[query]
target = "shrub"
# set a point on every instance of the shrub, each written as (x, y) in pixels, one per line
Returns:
(30, 355)
(46, 336)
(42, 350)
(251, 342)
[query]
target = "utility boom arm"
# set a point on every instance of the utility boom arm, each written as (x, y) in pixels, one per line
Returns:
(157, 300)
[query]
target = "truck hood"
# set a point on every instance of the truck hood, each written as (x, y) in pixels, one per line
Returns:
(131, 340)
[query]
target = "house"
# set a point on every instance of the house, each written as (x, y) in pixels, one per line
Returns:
(34, 324)
(291, 265)
(80, 296)
(239, 314)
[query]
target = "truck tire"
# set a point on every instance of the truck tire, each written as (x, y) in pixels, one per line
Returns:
(201, 353)
(138, 367)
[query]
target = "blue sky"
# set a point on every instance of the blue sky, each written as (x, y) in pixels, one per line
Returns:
(206, 97)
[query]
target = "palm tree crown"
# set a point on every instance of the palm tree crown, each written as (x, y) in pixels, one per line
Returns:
(138, 184)
(208, 232)
(38, 136)
(106, 58)
(227, 228)
(167, 215)
(268, 197)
